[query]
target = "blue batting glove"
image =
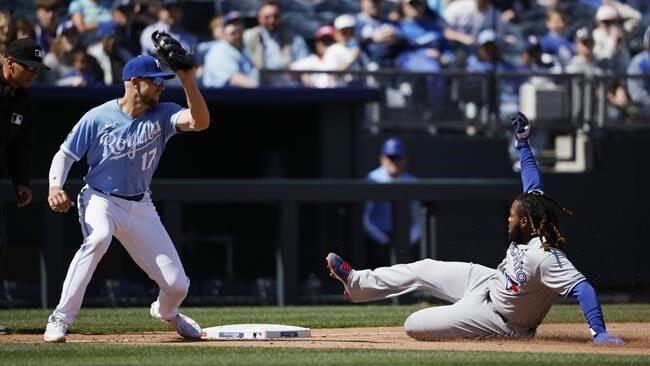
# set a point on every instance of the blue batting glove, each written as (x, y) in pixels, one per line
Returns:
(604, 338)
(522, 129)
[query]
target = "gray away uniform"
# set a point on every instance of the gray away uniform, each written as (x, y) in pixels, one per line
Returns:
(510, 301)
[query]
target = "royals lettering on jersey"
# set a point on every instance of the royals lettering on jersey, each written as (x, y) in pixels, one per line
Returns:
(122, 152)
(117, 146)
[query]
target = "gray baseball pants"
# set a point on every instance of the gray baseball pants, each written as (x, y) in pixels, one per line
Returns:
(470, 315)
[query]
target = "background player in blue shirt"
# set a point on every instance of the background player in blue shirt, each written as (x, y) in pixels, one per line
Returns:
(123, 140)
(378, 216)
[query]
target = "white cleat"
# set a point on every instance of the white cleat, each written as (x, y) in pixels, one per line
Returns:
(183, 324)
(55, 330)
(186, 326)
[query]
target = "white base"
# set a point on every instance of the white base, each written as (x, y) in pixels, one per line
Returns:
(254, 331)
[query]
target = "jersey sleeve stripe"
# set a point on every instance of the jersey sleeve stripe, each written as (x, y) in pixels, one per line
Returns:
(570, 289)
(69, 153)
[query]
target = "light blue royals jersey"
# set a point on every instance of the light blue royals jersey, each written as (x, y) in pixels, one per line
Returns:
(122, 152)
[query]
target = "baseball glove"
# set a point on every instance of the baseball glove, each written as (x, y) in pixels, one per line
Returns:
(170, 52)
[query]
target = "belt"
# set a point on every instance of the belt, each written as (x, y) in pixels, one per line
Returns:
(136, 197)
(521, 330)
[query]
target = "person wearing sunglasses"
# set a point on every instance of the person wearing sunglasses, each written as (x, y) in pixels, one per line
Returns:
(22, 60)
(123, 140)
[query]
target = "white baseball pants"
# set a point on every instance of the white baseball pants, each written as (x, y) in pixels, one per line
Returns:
(463, 284)
(138, 228)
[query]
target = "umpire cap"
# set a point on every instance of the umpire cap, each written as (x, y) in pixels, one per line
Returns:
(27, 52)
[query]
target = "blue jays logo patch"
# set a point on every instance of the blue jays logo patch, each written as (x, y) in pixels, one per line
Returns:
(512, 285)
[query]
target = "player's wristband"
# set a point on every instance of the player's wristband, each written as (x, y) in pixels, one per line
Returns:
(519, 143)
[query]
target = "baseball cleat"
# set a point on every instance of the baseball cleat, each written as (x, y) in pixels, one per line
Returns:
(338, 268)
(186, 326)
(55, 330)
(183, 324)
(347, 294)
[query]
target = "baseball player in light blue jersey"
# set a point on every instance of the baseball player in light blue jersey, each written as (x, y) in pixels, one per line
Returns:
(123, 140)
(509, 301)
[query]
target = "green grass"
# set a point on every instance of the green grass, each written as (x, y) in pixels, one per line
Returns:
(137, 320)
(121, 320)
(100, 354)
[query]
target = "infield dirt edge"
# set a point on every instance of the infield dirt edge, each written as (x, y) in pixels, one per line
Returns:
(551, 338)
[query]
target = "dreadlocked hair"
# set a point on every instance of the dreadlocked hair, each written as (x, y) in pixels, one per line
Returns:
(540, 211)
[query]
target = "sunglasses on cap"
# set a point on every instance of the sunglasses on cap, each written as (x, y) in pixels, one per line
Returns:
(157, 81)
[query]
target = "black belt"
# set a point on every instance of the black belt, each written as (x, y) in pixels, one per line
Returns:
(521, 329)
(505, 320)
(136, 198)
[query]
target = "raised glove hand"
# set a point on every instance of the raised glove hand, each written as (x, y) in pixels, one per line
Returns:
(170, 52)
(522, 129)
(604, 338)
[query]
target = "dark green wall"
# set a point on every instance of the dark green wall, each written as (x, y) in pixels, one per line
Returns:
(296, 138)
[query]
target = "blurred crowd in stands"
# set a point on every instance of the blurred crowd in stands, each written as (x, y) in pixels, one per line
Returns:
(88, 41)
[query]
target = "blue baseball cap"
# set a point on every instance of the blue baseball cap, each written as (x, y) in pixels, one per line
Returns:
(144, 67)
(393, 147)
(106, 29)
(231, 17)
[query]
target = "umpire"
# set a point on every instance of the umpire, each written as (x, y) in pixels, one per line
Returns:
(23, 59)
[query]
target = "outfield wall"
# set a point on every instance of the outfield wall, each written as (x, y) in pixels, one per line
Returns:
(316, 134)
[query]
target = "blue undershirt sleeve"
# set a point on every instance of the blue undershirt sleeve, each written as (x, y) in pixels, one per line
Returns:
(531, 179)
(588, 300)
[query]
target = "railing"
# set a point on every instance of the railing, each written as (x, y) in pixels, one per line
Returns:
(288, 195)
(481, 102)
(566, 109)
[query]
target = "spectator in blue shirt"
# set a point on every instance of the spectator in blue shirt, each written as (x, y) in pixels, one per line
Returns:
(46, 15)
(87, 14)
(170, 20)
(380, 40)
(271, 45)
(84, 72)
(639, 88)
(488, 59)
(226, 64)
(378, 216)
(427, 48)
(555, 42)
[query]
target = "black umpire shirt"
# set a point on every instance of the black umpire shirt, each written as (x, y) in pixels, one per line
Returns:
(15, 133)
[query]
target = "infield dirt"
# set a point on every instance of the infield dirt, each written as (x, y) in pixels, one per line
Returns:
(552, 338)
